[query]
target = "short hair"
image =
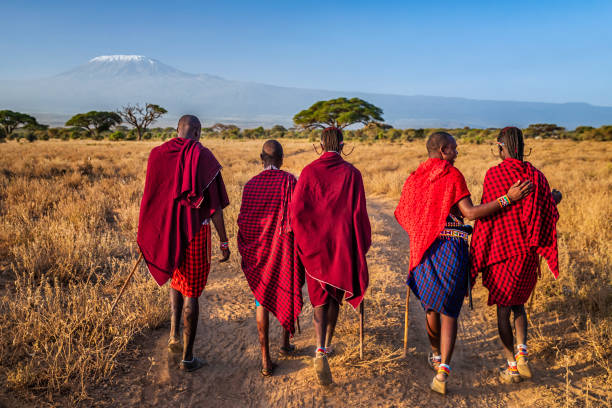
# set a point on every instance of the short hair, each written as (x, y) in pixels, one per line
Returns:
(437, 140)
(332, 139)
(271, 152)
(512, 137)
(187, 122)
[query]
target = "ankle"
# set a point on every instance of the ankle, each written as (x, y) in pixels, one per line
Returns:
(443, 372)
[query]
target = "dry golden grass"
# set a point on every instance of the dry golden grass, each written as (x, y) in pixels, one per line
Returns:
(67, 240)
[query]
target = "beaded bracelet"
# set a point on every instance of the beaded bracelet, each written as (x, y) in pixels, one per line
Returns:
(503, 201)
(224, 245)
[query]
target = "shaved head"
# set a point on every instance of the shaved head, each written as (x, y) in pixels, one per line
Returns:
(189, 127)
(272, 153)
(439, 140)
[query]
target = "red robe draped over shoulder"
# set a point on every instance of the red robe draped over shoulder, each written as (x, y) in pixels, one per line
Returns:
(266, 243)
(183, 188)
(331, 225)
(427, 197)
(527, 224)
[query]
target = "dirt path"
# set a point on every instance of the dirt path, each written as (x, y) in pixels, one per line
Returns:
(227, 340)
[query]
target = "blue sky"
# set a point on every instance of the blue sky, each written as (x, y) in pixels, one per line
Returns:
(552, 51)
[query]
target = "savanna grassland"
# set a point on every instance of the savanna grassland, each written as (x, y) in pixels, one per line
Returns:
(69, 214)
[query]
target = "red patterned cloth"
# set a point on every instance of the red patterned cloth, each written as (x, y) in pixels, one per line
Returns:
(270, 259)
(183, 188)
(320, 295)
(331, 225)
(511, 282)
(427, 197)
(191, 275)
(515, 231)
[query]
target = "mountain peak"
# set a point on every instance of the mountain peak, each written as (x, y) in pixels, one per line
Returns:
(122, 58)
(106, 67)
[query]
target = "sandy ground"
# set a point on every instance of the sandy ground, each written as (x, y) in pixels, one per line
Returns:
(227, 340)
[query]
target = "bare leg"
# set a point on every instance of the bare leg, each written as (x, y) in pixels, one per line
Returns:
(448, 337)
(176, 305)
(319, 318)
(263, 322)
(520, 324)
(505, 331)
(433, 330)
(332, 318)
(190, 324)
(285, 341)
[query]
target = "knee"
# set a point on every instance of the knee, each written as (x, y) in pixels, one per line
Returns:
(518, 310)
(503, 312)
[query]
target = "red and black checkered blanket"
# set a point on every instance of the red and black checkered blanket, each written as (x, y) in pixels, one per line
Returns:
(270, 259)
(526, 224)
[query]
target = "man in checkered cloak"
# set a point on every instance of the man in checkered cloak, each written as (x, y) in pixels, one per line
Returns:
(269, 253)
(506, 247)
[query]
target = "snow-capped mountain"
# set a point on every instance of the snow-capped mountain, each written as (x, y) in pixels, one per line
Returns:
(110, 66)
(111, 81)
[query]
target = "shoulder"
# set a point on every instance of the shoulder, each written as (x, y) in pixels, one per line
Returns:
(493, 170)
(287, 175)
(456, 174)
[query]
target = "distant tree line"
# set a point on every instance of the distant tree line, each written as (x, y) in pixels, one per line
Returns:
(340, 112)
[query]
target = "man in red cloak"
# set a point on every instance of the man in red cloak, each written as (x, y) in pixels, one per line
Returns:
(183, 192)
(270, 259)
(434, 200)
(506, 247)
(332, 230)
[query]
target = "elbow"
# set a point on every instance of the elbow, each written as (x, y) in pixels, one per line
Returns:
(471, 215)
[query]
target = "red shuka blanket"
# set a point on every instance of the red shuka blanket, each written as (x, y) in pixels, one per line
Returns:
(512, 232)
(427, 197)
(331, 225)
(183, 187)
(270, 260)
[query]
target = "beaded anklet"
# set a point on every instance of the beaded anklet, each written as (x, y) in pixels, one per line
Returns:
(444, 368)
(224, 245)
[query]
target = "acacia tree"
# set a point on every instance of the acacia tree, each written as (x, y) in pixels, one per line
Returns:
(94, 122)
(141, 116)
(339, 112)
(9, 121)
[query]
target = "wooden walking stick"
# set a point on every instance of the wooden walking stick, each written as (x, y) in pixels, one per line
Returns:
(298, 325)
(126, 283)
(361, 323)
(405, 352)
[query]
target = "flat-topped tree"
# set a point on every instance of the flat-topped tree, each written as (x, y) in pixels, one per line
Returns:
(94, 122)
(141, 116)
(9, 121)
(339, 112)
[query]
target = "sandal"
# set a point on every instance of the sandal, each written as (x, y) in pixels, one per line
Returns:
(287, 351)
(434, 360)
(189, 366)
(510, 374)
(321, 366)
(267, 372)
(522, 363)
(438, 385)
